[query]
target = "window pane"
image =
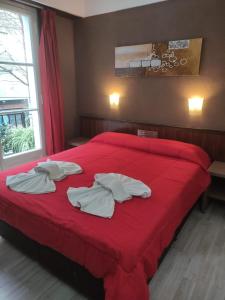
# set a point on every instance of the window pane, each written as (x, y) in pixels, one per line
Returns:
(15, 40)
(17, 87)
(19, 109)
(20, 136)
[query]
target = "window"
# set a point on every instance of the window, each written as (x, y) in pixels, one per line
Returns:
(20, 114)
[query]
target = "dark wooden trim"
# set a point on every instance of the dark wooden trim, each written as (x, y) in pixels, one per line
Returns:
(212, 141)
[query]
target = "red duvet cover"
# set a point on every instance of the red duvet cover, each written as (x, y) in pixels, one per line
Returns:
(124, 250)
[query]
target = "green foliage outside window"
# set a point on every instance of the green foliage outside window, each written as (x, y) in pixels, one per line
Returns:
(16, 140)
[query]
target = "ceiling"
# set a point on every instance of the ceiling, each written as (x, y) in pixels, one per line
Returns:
(96, 7)
(86, 8)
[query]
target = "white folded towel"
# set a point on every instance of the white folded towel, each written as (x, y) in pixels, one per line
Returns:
(58, 170)
(122, 186)
(114, 185)
(40, 179)
(100, 199)
(50, 168)
(31, 183)
(95, 200)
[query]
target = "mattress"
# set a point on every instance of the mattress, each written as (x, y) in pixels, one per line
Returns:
(124, 250)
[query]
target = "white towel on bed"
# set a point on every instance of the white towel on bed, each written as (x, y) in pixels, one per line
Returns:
(50, 168)
(31, 183)
(123, 187)
(100, 199)
(40, 179)
(58, 170)
(95, 200)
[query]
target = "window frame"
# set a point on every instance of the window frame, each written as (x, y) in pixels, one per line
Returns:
(23, 157)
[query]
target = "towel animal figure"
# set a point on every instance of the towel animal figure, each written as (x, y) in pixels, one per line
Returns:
(99, 200)
(40, 179)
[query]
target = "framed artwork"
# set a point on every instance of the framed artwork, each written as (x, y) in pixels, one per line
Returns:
(173, 58)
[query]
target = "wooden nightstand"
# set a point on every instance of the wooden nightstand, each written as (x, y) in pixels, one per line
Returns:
(78, 141)
(216, 189)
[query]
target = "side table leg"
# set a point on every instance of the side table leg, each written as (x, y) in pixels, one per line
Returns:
(204, 202)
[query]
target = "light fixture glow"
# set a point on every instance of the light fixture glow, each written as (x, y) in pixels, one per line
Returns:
(114, 99)
(195, 104)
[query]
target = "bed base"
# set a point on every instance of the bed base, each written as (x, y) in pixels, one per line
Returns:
(61, 266)
(64, 268)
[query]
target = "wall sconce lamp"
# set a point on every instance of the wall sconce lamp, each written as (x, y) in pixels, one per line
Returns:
(114, 100)
(195, 104)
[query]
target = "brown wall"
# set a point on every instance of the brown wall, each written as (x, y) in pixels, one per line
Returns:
(65, 36)
(157, 100)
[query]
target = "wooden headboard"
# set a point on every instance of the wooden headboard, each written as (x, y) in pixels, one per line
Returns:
(213, 142)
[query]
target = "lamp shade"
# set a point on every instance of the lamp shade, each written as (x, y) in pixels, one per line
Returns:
(195, 104)
(114, 99)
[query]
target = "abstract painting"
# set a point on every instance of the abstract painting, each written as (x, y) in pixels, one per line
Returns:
(173, 58)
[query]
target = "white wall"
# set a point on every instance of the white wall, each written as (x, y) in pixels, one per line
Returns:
(85, 8)
(95, 7)
(74, 7)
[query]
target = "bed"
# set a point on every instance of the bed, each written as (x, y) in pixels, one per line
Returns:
(124, 251)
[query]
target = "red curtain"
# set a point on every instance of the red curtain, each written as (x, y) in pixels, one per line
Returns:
(51, 84)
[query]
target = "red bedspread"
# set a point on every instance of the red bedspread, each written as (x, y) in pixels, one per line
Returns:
(123, 250)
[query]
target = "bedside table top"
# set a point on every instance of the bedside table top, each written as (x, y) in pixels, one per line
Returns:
(78, 141)
(217, 169)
